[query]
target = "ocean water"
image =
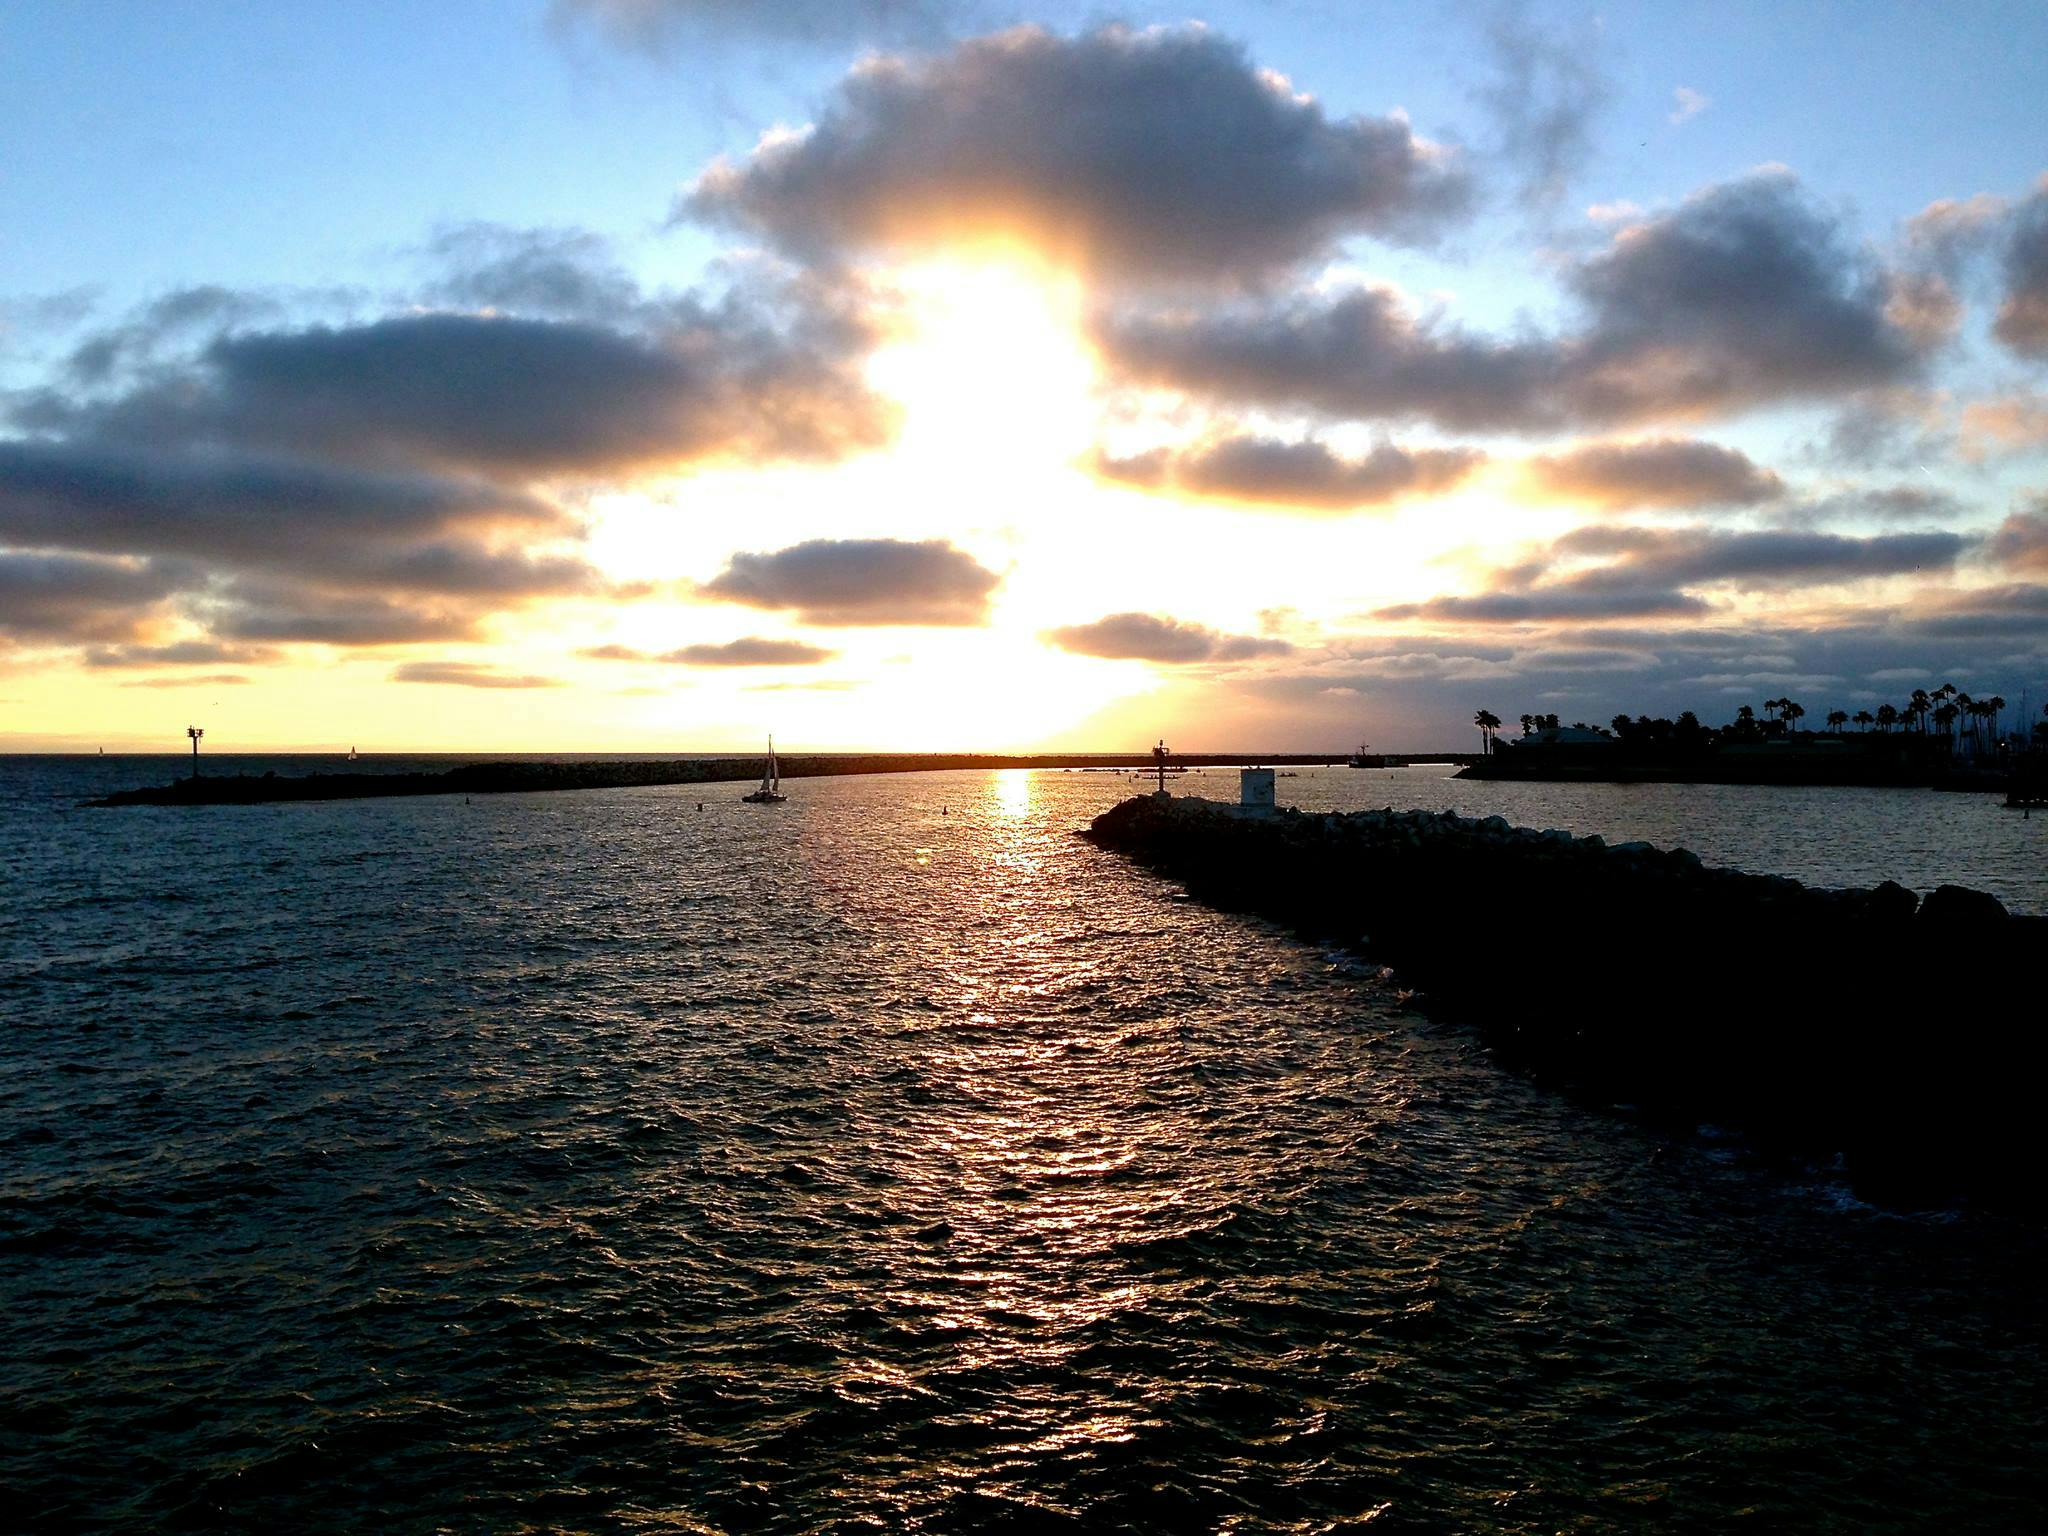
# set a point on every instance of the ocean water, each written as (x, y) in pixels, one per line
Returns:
(892, 1160)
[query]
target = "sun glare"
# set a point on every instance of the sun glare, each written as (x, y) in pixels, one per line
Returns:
(990, 367)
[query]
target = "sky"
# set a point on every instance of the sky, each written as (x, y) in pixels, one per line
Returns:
(651, 375)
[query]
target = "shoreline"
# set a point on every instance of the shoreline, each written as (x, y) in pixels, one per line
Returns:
(526, 777)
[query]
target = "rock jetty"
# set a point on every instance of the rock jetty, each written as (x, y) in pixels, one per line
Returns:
(1900, 1034)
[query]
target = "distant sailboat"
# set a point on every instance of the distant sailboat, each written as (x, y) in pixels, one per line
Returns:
(770, 792)
(352, 754)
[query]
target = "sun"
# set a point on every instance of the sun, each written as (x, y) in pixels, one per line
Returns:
(990, 366)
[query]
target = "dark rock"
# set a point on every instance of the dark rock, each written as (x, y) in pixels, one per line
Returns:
(1959, 906)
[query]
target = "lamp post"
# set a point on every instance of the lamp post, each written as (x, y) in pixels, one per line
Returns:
(195, 732)
(1159, 763)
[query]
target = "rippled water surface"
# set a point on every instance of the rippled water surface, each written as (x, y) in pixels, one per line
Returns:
(892, 1160)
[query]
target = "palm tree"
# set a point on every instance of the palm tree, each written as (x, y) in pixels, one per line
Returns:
(1887, 717)
(1919, 707)
(1945, 717)
(1790, 712)
(1528, 725)
(1865, 719)
(1995, 705)
(1837, 718)
(1488, 722)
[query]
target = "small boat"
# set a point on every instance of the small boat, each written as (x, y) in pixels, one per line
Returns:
(352, 754)
(770, 792)
(1365, 757)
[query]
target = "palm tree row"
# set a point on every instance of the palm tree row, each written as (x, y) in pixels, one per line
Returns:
(1952, 713)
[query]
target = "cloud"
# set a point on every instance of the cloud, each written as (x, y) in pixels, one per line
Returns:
(1155, 154)
(748, 652)
(2021, 542)
(189, 680)
(1883, 504)
(555, 272)
(2008, 423)
(465, 674)
(66, 598)
(2022, 322)
(1549, 604)
(240, 509)
(399, 478)
(1658, 472)
(1687, 104)
(162, 324)
(751, 652)
(1892, 428)
(325, 549)
(1303, 475)
(287, 613)
(1768, 557)
(1946, 234)
(1145, 637)
(1546, 90)
(178, 653)
(1744, 295)
(1646, 572)
(659, 27)
(862, 581)
(501, 395)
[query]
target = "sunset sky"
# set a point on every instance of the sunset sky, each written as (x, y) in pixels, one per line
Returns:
(654, 374)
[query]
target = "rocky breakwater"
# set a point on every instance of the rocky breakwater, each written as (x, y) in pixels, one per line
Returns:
(1902, 1035)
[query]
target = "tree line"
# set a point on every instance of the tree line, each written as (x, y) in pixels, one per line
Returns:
(1945, 713)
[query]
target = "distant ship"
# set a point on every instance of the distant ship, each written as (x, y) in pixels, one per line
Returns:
(770, 792)
(1365, 757)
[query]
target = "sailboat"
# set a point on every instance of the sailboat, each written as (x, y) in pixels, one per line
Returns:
(770, 792)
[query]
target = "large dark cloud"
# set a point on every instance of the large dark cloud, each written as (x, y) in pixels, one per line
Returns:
(1147, 637)
(240, 509)
(274, 550)
(1744, 295)
(1662, 472)
(1304, 475)
(61, 598)
(400, 478)
(2022, 322)
(862, 581)
(501, 395)
(1163, 153)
